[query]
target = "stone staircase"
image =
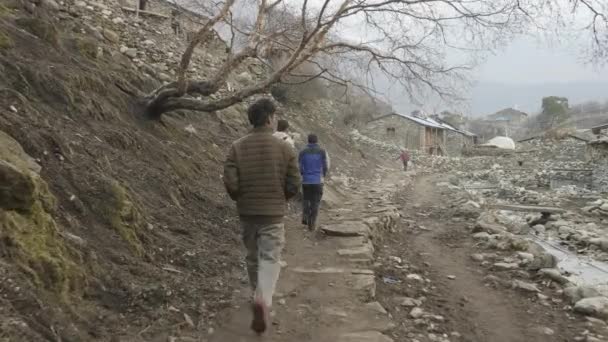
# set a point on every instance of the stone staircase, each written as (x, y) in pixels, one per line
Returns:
(327, 290)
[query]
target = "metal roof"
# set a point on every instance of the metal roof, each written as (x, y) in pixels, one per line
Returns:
(428, 122)
(425, 122)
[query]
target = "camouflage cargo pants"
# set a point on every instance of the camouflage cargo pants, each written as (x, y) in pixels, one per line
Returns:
(264, 243)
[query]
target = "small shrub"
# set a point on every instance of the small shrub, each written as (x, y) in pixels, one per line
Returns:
(41, 29)
(87, 48)
(4, 10)
(5, 41)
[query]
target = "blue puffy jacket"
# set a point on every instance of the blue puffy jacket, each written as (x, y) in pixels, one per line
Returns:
(313, 164)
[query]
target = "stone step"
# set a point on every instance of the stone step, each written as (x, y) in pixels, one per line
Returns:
(364, 336)
(365, 251)
(529, 208)
(365, 283)
(347, 229)
(332, 270)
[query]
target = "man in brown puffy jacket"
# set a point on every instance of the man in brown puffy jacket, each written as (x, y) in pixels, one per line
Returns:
(261, 174)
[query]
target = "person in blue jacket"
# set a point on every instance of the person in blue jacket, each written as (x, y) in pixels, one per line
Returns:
(313, 168)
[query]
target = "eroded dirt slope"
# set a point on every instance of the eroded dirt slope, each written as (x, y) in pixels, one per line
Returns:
(140, 240)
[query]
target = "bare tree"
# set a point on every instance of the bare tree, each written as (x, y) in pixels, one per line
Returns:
(597, 25)
(404, 40)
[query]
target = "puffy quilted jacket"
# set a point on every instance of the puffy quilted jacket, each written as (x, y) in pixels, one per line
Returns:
(261, 174)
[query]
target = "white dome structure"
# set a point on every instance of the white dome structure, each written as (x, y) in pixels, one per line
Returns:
(502, 142)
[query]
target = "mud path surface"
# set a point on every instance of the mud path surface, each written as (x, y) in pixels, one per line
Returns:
(475, 304)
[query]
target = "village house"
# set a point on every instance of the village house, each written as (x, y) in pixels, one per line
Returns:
(510, 116)
(419, 133)
(502, 123)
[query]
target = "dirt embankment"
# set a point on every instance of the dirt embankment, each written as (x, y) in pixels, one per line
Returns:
(127, 233)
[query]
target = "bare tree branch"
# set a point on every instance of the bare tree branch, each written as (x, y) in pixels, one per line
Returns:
(404, 41)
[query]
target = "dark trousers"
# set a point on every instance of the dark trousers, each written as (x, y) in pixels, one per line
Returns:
(405, 164)
(312, 194)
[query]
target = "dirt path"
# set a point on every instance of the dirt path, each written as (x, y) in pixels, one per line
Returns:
(471, 305)
(485, 315)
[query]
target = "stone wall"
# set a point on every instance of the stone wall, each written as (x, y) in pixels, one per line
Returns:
(598, 154)
(581, 178)
(566, 149)
(397, 131)
(456, 142)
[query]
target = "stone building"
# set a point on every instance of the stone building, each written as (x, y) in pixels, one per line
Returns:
(419, 133)
(510, 116)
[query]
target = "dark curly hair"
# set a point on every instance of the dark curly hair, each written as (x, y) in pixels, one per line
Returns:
(259, 112)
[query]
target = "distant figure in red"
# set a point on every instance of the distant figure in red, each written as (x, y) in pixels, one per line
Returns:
(405, 158)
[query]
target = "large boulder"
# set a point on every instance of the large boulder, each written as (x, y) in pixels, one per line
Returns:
(593, 306)
(575, 293)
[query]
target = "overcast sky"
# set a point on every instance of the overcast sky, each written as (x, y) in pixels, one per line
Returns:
(528, 61)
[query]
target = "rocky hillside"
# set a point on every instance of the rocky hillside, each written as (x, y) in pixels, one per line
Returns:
(114, 227)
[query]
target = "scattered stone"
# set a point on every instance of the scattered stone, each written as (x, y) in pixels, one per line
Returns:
(130, 52)
(111, 36)
(189, 320)
(542, 260)
(51, 5)
(377, 307)
(478, 257)
(542, 297)
(416, 312)
(554, 274)
(504, 266)
(544, 331)
(593, 306)
(414, 277)
(395, 259)
(539, 228)
(575, 293)
(74, 239)
(451, 277)
(484, 236)
(528, 287)
(408, 302)
(526, 257)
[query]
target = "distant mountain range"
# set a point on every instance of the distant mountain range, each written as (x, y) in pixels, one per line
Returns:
(488, 98)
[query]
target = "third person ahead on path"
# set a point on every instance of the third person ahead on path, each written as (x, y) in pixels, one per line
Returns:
(405, 159)
(313, 167)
